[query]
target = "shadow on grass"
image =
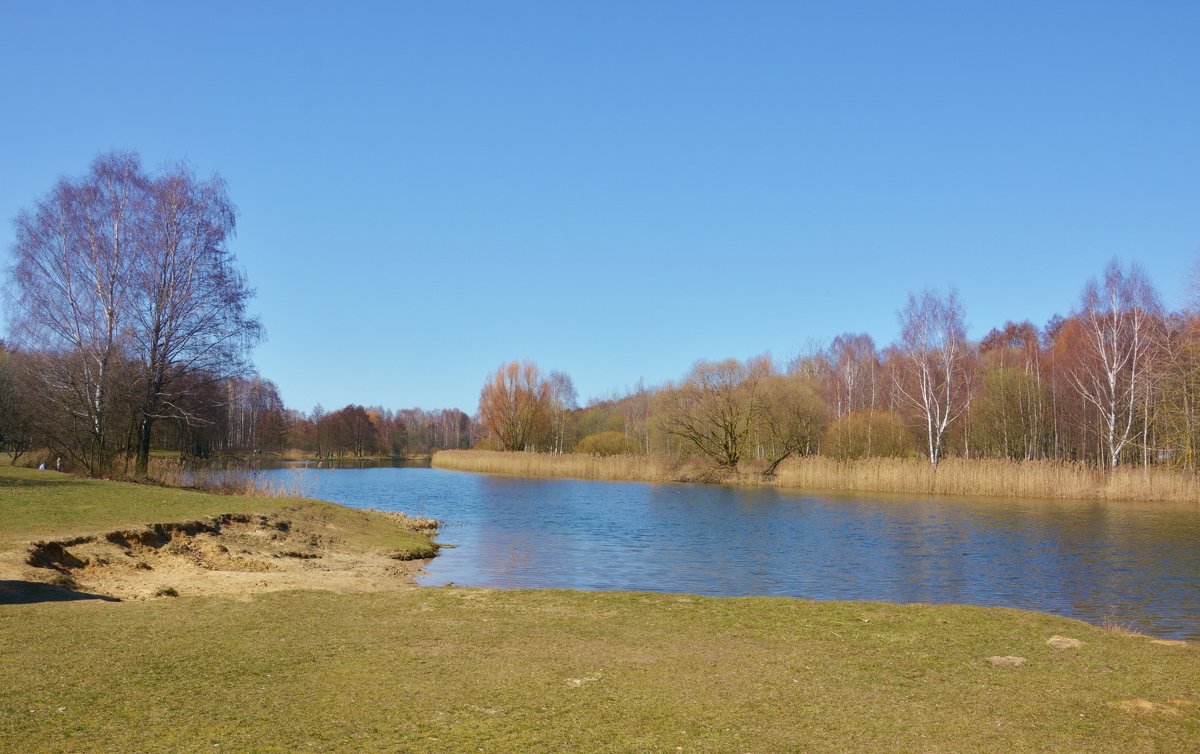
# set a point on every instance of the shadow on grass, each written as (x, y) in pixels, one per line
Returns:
(29, 592)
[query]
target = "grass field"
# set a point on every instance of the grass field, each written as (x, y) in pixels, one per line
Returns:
(955, 476)
(437, 670)
(44, 504)
(47, 505)
(453, 669)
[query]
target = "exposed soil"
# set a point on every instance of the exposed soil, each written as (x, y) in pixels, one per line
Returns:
(1173, 708)
(232, 554)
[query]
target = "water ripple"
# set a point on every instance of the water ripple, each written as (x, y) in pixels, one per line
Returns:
(1132, 564)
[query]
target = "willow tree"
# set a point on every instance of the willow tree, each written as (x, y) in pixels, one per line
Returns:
(1178, 385)
(715, 409)
(789, 420)
(515, 407)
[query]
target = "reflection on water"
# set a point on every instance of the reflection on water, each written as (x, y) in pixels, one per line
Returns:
(1136, 564)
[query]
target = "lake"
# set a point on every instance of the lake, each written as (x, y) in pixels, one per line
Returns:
(1135, 564)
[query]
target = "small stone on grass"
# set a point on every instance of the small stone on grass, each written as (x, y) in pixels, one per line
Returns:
(1008, 660)
(1062, 642)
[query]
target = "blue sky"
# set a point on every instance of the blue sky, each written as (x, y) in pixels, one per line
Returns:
(616, 189)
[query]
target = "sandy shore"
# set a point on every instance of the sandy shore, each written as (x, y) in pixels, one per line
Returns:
(232, 554)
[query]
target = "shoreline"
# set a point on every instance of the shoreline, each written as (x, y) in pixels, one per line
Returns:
(1045, 480)
(200, 543)
(304, 667)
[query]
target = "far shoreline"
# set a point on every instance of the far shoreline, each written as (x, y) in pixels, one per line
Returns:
(955, 477)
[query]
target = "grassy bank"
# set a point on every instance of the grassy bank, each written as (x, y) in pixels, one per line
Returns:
(992, 478)
(45, 505)
(435, 670)
(464, 670)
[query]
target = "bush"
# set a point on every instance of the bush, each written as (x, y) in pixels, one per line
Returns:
(868, 433)
(606, 444)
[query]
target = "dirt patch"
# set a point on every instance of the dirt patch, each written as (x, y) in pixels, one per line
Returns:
(1062, 642)
(1147, 707)
(229, 554)
(574, 683)
(1008, 660)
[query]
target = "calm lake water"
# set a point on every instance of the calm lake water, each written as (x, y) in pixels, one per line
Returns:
(1137, 564)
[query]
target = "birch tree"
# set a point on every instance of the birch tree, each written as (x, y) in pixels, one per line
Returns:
(563, 400)
(76, 254)
(122, 270)
(1115, 317)
(854, 366)
(934, 376)
(189, 311)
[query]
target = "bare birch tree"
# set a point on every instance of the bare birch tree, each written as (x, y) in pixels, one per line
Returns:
(934, 378)
(76, 253)
(121, 269)
(189, 304)
(1115, 316)
(563, 400)
(854, 366)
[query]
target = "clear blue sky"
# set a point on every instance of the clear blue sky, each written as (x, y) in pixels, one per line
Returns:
(615, 189)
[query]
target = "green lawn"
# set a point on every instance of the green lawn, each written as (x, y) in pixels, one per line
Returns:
(449, 669)
(42, 504)
(48, 505)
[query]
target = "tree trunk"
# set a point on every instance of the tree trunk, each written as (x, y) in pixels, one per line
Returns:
(143, 445)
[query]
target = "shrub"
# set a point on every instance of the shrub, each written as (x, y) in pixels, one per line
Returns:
(606, 444)
(868, 433)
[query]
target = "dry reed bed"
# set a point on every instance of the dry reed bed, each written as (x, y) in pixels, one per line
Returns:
(630, 468)
(990, 478)
(243, 482)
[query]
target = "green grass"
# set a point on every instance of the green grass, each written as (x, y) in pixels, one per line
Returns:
(448, 670)
(48, 505)
(437, 670)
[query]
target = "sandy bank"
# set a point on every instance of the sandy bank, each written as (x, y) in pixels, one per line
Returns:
(229, 554)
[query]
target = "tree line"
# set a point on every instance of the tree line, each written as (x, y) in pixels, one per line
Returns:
(1116, 381)
(130, 333)
(126, 306)
(228, 416)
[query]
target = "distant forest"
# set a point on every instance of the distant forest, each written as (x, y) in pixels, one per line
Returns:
(130, 335)
(1116, 381)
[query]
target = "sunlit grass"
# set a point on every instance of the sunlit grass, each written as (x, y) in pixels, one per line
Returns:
(438, 670)
(47, 505)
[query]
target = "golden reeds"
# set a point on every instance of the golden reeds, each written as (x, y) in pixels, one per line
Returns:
(632, 468)
(244, 482)
(954, 476)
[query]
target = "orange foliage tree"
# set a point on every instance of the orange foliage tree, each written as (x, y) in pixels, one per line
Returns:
(514, 407)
